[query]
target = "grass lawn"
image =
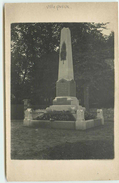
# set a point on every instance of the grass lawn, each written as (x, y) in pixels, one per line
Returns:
(43, 143)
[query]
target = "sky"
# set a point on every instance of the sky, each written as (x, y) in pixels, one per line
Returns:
(109, 29)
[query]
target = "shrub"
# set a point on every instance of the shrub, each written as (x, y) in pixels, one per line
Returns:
(57, 115)
(63, 116)
(88, 115)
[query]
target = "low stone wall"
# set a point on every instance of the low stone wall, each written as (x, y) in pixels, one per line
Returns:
(37, 123)
(50, 124)
(84, 125)
(79, 124)
(69, 125)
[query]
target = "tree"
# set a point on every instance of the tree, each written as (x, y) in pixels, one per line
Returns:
(30, 42)
(35, 52)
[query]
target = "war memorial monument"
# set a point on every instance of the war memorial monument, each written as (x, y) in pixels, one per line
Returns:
(65, 99)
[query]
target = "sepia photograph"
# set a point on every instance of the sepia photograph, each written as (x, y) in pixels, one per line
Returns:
(61, 91)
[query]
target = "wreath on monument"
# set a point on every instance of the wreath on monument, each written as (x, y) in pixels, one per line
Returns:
(63, 52)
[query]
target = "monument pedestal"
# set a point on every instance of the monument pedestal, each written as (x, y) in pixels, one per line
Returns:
(65, 104)
(65, 86)
(66, 100)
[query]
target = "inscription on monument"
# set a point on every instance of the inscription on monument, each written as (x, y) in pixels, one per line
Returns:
(62, 88)
(66, 88)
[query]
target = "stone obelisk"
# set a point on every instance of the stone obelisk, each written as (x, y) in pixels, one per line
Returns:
(65, 86)
(65, 56)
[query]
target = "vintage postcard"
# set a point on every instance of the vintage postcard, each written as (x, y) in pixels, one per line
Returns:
(61, 91)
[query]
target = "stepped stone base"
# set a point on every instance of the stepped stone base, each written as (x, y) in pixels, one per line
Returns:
(66, 100)
(65, 104)
(63, 108)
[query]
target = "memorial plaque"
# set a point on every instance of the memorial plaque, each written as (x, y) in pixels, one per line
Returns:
(66, 88)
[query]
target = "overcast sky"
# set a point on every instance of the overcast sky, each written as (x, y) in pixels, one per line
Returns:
(110, 27)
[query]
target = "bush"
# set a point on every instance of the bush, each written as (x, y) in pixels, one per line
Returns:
(57, 115)
(63, 116)
(88, 115)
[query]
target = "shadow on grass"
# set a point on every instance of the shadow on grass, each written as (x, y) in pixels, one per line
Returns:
(83, 150)
(69, 151)
(51, 144)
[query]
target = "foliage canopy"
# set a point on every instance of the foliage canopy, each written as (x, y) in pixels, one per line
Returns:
(35, 54)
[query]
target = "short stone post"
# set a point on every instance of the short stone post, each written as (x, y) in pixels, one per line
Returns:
(100, 115)
(28, 117)
(79, 124)
(26, 104)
